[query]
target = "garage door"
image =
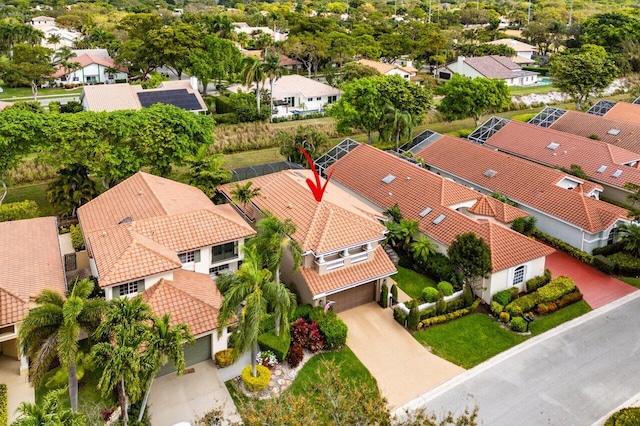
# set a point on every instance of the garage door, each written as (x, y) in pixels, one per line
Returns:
(353, 297)
(198, 352)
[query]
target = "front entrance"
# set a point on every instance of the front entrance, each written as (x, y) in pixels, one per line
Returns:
(198, 352)
(353, 297)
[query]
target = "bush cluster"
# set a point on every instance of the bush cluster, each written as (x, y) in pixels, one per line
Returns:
(502, 297)
(295, 355)
(279, 345)
(4, 405)
(302, 311)
(561, 245)
(224, 358)
(496, 308)
(307, 335)
(446, 288)
(449, 316)
(400, 316)
(17, 211)
(77, 239)
(331, 326)
(441, 305)
(604, 264)
(556, 289)
(546, 299)
(610, 249)
(430, 294)
(256, 384)
(626, 264)
(267, 359)
(536, 282)
(267, 323)
(518, 324)
(626, 417)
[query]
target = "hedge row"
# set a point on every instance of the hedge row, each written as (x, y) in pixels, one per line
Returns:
(609, 249)
(505, 296)
(561, 245)
(625, 264)
(449, 316)
(536, 282)
(77, 240)
(4, 405)
(19, 210)
(551, 292)
(329, 324)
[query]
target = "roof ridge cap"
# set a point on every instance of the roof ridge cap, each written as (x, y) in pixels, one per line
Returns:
(312, 224)
(144, 176)
(10, 293)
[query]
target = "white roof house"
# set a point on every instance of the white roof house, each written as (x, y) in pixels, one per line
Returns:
(524, 51)
(489, 67)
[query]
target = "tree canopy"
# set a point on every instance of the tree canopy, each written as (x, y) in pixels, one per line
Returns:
(472, 97)
(472, 256)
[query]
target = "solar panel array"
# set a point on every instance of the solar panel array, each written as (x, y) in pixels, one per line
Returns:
(177, 97)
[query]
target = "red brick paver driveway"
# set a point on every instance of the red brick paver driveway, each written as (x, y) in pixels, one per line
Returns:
(598, 288)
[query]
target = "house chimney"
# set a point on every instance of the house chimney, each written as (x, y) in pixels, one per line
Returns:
(194, 83)
(460, 63)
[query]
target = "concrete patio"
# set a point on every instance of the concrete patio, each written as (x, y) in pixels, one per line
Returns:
(19, 388)
(403, 368)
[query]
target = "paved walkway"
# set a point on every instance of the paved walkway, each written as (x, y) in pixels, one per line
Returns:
(185, 398)
(403, 368)
(19, 388)
(598, 288)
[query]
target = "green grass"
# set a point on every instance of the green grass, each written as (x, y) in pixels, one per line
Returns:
(36, 192)
(252, 158)
(20, 92)
(520, 91)
(412, 282)
(475, 338)
(631, 281)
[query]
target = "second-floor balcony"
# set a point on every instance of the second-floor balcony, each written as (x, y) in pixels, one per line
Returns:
(326, 263)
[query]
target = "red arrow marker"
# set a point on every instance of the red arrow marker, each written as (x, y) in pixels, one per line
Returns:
(316, 189)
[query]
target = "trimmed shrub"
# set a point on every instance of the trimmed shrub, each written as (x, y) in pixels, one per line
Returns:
(450, 316)
(561, 245)
(610, 249)
(307, 335)
(256, 384)
(455, 304)
(394, 293)
(441, 305)
(77, 240)
(504, 317)
(295, 355)
(267, 323)
(4, 405)
(17, 211)
(625, 417)
(414, 315)
(502, 297)
(427, 313)
(523, 304)
(514, 291)
(626, 264)
(496, 308)
(279, 345)
(400, 316)
(224, 358)
(467, 295)
(570, 298)
(430, 294)
(446, 288)
(557, 288)
(518, 324)
(384, 295)
(302, 311)
(536, 282)
(604, 264)
(334, 331)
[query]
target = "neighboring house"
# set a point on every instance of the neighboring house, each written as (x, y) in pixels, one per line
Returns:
(115, 97)
(622, 134)
(297, 95)
(443, 209)
(340, 237)
(606, 164)
(390, 69)
(243, 27)
(623, 111)
(48, 26)
(42, 20)
(30, 261)
(285, 61)
(489, 67)
(90, 70)
(564, 206)
(168, 241)
(524, 51)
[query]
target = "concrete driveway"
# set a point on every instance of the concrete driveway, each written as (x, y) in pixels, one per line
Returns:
(18, 386)
(403, 368)
(185, 398)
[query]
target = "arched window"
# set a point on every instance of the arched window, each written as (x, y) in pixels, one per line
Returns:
(518, 275)
(613, 236)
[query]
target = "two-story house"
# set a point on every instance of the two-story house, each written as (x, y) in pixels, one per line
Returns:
(168, 241)
(340, 237)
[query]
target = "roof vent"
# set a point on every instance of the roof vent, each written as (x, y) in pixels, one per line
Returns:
(553, 146)
(617, 173)
(601, 169)
(614, 132)
(490, 173)
(388, 178)
(439, 219)
(390, 194)
(425, 212)
(301, 175)
(125, 220)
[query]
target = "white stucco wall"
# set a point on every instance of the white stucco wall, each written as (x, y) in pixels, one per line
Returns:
(92, 70)
(501, 280)
(399, 72)
(313, 105)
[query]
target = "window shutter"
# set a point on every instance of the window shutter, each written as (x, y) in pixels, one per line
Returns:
(197, 256)
(115, 292)
(140, 286)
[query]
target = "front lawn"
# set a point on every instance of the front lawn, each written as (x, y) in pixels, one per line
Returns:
(36, 192)
(470, 340)
(631, 281)
(412, 282)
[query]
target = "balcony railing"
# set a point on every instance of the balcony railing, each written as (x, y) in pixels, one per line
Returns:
(334, 264)
(359, 257)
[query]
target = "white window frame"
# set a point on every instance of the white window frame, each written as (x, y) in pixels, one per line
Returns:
(519, 273)
(214, 271)
(128, 286)
(188, 257)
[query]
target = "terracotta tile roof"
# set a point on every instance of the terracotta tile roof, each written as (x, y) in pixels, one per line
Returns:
(85, 60)
(530, 141)
(378, 267)
(627, 135)
(191, 298)
(415, 189)
(339, 221)
(493, 66)
(141, 196)
(522, 181)
(505, 213)
(624, 111)
(30, 261)
(383, 68)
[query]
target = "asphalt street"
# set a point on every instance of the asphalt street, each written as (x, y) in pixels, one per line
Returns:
(573, 375)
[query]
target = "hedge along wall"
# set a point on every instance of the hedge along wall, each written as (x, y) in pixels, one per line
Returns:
(426, 306)
(4, 405)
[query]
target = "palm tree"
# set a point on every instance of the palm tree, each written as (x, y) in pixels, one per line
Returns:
(422, 248)
(206, 171)
(166, 343)
(71, 189)
(273, 70)
(54, 39)
(253, 286)
(50, 412)
(252, 72)
(123, 332)
(243, 194)
(408, 228)
(630, 234)
(400, 123)
(52, 330)
(394, 213)
(273, 240)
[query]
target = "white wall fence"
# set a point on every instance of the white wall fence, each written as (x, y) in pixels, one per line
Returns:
(429, 305)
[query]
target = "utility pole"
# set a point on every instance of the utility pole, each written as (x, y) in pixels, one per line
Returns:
(571, 13)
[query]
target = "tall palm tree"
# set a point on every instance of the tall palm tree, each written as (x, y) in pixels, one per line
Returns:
(273, 70)
(252, 72)
(255, 287)
(273, 240)
(166, 343)
(52, 330)
(54, 39)
(123, 332)
(422, 248)
(630, 234)
(400, 123)
(243, 194)
(50, 412)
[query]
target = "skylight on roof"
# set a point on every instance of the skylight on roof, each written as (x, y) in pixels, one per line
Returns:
(490, 173)
(553, 146)
(439, 219)
(601, 169)
(388, 178)
(614, 132)
(617, 173)
(425, 212)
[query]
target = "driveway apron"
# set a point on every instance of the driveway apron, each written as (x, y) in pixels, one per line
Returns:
(598, 288)
(402, 367)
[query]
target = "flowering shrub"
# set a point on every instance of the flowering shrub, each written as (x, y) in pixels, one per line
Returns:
(267, 359)
(224, 358)
(295, 356)
(307, 335)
